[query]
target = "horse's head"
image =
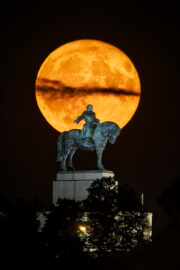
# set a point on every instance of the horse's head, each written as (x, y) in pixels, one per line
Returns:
(115, 132)
(112, 138)
(111, 130)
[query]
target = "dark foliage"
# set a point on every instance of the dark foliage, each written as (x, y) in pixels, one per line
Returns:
(170, 202)
(18, 231)
(112, 217)
(116, 222)
(60, 234)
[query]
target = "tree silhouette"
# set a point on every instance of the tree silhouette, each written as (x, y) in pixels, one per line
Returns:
(109, 222)
(18, 230)
(115, 221)
(60, 234)
(170, 202)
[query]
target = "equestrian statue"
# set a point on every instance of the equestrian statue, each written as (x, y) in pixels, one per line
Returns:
(94, 137)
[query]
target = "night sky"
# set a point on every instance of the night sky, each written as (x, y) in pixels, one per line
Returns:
(146, 154)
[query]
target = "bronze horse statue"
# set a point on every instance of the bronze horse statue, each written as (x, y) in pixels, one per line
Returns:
(69, 141)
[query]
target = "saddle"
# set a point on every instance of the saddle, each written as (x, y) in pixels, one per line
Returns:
(87, 143)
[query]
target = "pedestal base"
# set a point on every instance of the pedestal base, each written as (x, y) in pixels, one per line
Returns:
(74, 184)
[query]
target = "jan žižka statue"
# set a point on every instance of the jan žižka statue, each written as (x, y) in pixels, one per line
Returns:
(91, 122)
(94, 137)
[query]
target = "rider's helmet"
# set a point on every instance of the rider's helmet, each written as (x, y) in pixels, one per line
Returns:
(89, 108)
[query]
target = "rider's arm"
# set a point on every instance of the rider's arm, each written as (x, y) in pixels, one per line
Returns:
(79, 118)
(95, 119)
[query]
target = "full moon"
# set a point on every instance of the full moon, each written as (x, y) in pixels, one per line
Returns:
(85, 72)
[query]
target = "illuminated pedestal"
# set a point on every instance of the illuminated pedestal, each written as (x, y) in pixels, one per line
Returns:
(74, 184)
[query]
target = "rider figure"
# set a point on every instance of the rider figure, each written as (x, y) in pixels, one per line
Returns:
(90, 122)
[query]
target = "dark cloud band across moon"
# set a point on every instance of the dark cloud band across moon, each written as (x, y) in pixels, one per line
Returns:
(53, 87)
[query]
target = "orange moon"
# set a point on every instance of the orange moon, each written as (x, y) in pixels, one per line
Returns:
(85, 72)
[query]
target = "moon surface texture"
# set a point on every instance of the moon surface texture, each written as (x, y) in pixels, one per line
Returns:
(86, 72)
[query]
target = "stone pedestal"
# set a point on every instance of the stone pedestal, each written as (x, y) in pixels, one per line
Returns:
(74, 184)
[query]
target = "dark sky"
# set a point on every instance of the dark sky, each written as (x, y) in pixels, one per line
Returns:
(146, 155)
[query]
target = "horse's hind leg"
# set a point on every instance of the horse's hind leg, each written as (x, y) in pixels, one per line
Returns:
(72, 152)
(64, 158)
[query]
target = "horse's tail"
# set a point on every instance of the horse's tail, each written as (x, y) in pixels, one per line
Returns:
(60, 147)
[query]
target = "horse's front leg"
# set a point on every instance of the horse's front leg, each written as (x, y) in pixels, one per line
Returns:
(99, 152)
(99, 159)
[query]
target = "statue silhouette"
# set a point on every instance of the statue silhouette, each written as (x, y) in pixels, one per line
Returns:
(94, 137)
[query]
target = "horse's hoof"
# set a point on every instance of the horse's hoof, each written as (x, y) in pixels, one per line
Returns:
(63, 169)
(71, 169)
